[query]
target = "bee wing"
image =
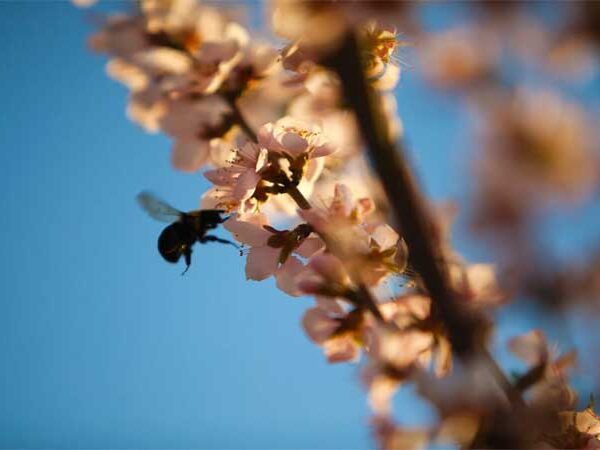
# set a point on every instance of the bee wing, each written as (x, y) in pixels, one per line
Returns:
(157, 209)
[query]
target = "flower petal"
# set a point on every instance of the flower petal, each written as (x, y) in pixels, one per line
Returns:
(310, 246)
(318, 325)
(293, 144)
(190, 155)
(248, 233)
(261, 263)
(531, 347)
(287, 275)
(329, 304)
(329, 267)
(341, 349)
(385, 236)
(246, 185)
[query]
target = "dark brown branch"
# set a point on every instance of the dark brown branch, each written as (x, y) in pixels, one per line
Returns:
(409, 209)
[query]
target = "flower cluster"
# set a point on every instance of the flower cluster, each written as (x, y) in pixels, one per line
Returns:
(272, 128)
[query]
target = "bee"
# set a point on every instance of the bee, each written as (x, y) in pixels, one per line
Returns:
(185, 229)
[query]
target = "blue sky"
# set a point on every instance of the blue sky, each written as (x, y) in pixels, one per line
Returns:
(106, 345)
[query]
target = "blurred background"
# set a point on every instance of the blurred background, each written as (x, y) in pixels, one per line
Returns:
(106, 345)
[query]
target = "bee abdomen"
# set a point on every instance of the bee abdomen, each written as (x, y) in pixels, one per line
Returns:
(174, 240)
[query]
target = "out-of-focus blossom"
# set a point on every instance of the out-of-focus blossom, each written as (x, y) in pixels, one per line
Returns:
(411, 341)
(368, 250)
(320, 103)
(83, 3)
(573, 57)
(338, 334)
(173, 55)
(194, 126)
(457, 429)
(121, 36)
(326, 277)
(476, 284)
(324, 23)
(468, 389)
(459, 57)
(390, 436)
(303, 56)
(395, 350)
(543, 144)
(551, 389)
(342, 334)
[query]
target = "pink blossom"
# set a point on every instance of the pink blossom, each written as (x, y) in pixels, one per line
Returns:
(326, 277)
(367, 249)
(236, 183)
(271, 250)
(295, 139)
(476, 283)
(282, 159)
(552, 389)
(338, 334)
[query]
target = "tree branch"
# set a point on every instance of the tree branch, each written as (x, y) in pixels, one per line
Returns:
(410, 213)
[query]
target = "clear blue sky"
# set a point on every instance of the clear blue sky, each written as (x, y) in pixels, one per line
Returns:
(103, 343)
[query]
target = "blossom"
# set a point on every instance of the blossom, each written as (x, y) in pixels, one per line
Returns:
(338, 334)
(409, 340)
(544, 143)
(236, 183)
(194, 125)
(475, 283)
(283, 157)
(271, 251)
(319, 103)
(459, 57)
(379, 46)
(390, 436)
(295, 139)
(327, 277)
(172, 56)
(367, 249)
(550, 387)
(584, 427)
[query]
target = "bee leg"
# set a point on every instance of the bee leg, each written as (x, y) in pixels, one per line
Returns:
(188, 260)
(217, 239)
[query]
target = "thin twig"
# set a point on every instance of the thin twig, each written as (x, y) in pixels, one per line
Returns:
(300, 200)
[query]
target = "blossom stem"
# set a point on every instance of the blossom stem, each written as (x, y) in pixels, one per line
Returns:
(365, 300)
(298, 197)
(464, 330)
(238, 119)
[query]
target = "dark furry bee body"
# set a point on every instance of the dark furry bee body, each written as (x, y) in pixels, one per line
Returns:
(186, 229)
